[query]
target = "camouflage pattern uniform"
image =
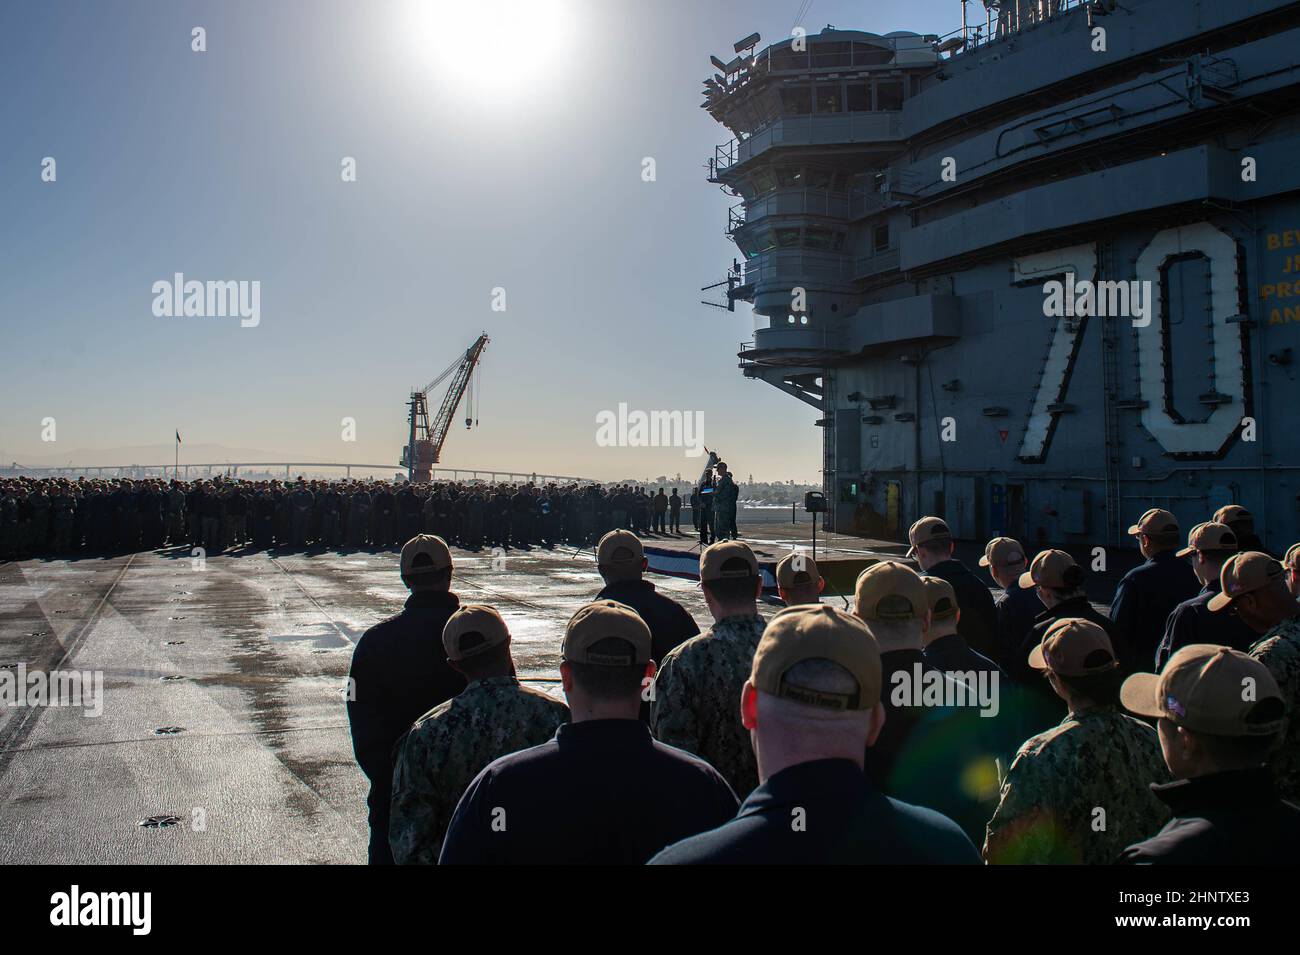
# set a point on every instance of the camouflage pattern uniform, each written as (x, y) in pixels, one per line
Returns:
(696, 704)
(448, 746)
(1279, 650)
(1098, 758)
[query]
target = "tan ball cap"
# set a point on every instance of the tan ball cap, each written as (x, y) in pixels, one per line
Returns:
(1068, 645)
(1243, 573)
(715, 555)
(1155, 521)
(817, 632)
(1209, 537)
(889, 590)
(1292, 558)
(941, 597)
(619, 547)
(1208, 689)
(1233, 514)
(473, 629)
(435, 547)
(1051, 568)
(925, 530)
(796, 570)
(599, 621)
(1002, 551)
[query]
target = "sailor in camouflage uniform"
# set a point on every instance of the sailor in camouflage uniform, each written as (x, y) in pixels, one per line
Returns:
(449, 745)
(1254, 585)
(696, 701)
(1216, 739)
(1079, 793)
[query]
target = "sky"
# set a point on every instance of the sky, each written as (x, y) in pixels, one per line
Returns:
(497, 145)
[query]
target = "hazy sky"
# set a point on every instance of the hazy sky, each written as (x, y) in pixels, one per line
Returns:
(497, 145)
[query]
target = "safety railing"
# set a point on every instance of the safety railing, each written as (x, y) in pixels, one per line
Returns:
(1001, 19)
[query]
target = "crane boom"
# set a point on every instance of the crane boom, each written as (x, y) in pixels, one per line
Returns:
(424, 446)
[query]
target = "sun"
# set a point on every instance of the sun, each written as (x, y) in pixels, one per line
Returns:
(490, 50)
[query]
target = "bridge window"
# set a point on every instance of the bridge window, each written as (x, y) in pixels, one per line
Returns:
(880, 237)
(819, 178)
(787, 238)
(868, 54)
(831, 54)
(753, 243)
(829, 99)
(859, 97)
(764, 181)
(823, 240)
(789, 177)
(889, 95)
(796, 101)
(788, 59)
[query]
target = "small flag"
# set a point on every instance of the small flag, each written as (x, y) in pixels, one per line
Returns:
(1001, 434)
(178, 437)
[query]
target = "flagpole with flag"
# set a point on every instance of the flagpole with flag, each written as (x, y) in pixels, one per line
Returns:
(176, 468)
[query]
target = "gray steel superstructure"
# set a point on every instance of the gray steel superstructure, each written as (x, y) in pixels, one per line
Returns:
(909, 205)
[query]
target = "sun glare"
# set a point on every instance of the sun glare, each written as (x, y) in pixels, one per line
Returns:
(491, 50)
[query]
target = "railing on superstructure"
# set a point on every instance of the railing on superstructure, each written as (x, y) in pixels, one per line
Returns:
(1002, 19)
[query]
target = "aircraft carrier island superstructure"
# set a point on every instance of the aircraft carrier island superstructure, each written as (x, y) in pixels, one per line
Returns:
(947, 242)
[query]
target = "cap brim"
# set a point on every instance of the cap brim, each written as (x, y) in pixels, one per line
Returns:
(1026, 580)
(1134, 530)
(984, 562)
(1139, 694)
(911, 551)
(1219, 601)
(1185, 551)
(1036, 660)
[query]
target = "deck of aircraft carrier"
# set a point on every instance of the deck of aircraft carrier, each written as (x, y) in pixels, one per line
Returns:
(248, 657)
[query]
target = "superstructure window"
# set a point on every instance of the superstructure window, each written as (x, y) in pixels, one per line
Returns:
(787, 238)
(796, 101)
(829, 99)
(823, 240)
(754, 243)
(819, 178)
(858, 97)
(789, 177)
(788, 59)
(880, 237)
(889, 95)
(867, 54)
(831, 54)
(820, 239)
(764, 181)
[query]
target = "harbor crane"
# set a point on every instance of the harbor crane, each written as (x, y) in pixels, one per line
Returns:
(424, 445)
